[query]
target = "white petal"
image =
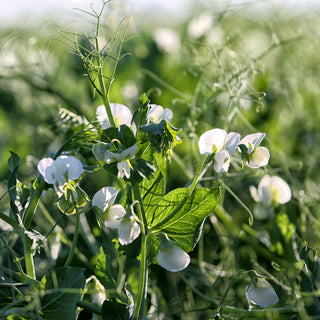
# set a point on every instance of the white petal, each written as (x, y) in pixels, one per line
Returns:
(121, 114)
(128, 153)
(123, 169)
(282, 192)
(262, 212)
(221, 161)
(251, 141)
(114, 216)
(74, 168)
(254, 193)
(173, 258)
(167, 114)
(47, 169)
(262, 294)
(156, 113)
(99, 150)
(259, 158)
(231, 142)
(102, 117)
(111, 157)
(128, 231)
(104, 198)
(211, 138)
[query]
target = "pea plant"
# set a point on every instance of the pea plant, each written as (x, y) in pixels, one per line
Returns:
(133, 223)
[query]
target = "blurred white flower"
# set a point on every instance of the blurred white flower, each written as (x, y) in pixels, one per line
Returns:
(112, 213)
(55, 242)
(262, 293)
(200, 25)
(221, 145)
(257, 156)
(130, 90)
(171, 257)
(129, 230)
(271, 190)
(156, 113)
(121, 115)
(167, 40)
(59, 171)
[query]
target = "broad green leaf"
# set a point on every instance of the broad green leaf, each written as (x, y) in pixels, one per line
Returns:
(115, 310)
(62, 289)
(13, 162)
(110, 134)
(126, 136)
(185, 225)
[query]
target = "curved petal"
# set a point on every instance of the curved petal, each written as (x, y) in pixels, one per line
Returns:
(282, 192)
(262, 212)
(251, 141)
(128, 231)
(121, 114)
(173, 258)
(102, 117)
(99, 150)
(262, 294)
(123, 169)
(111, 157)
(74, 168)
(231, 142)
(212, 141)
(114, 216)
(128, 153)
(156, 113)
(221, 161)
(259, 158)
(47, 169)
(104, 198)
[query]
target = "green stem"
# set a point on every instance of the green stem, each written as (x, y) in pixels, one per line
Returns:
(75, 240)
(27, 243)
(89, 306)
(143, 276)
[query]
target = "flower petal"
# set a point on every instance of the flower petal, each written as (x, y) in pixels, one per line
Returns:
(259, 158)
(157, 113)
(251, 141)
(99, 150)
(212, 141)
(47, 169)
(262, 294)
(282, 192)
(121, 114)
(128, 153)
(114, 216)
(173, 258)
(129, 230)
(221, 161)
(231, 142)
(104, 198)
(69, 166)
(123, 169)
(102, 117)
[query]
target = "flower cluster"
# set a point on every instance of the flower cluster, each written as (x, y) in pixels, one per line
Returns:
(221, 145)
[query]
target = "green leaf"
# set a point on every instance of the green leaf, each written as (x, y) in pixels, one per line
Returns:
(62, 287)
(181, 215)
(126, 136)
(110, 134)
(13, 162)
(115, 310)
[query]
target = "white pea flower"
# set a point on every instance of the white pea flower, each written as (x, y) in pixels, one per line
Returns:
(262, 293)
(200, 25)
(122, 158)
(129, 230)
(59, 171)
(121, 115)
(257, 156)
(171, 257)
(156, 113)
(167, 40)
(271, 190)
(221, 145)
(112, 213)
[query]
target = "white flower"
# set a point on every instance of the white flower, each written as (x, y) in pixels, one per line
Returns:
(121, 115)
(122, 159)
(156, 113)
(258, 156)
(221, 145)
(171, 257)
(59, 171)
(262, 294)
(167, 40)
(112, 213)
(129, 230)
(271, 189)
(199, 26)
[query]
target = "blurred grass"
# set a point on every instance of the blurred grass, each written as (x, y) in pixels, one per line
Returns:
(246, 74)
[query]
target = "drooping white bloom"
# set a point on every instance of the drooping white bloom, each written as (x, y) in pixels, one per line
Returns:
(200, 25)
(171, 257)
(167, 40)
(112, 213)
(122, 159)
(257, 156)
(157, 113)
(262, 293)
(271, 190)
(121, 115)
(59, 171)
(129, 230)
(221, 145)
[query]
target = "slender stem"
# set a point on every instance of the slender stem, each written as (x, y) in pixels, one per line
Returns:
(143, 276)
(27, 243)
(75, 239)
(89, 306)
